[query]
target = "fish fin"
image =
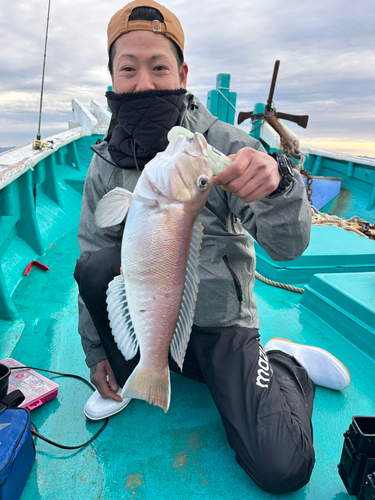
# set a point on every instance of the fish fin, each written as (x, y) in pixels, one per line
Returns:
(119, 318)
(185, 321)
(113, 207)
(153, 387)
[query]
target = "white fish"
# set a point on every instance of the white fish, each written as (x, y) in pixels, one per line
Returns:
(151, 306)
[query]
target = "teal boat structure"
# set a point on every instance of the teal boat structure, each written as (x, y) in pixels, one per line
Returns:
(144, 453)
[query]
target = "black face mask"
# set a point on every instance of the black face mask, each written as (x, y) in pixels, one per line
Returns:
(144, 120)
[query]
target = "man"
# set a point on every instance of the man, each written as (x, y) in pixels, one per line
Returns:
(265, 400)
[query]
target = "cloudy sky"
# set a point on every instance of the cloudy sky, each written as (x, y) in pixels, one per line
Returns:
(326, 49)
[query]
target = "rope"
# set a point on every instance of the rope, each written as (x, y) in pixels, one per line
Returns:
(257, 116)
(352, 224)
(279, 285)
(226, 98)
(295, 141)
(256, 128)
(321, 219)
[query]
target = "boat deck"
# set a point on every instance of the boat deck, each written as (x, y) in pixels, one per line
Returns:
(147, 454)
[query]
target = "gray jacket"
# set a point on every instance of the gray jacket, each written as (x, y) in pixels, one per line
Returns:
(281, 225)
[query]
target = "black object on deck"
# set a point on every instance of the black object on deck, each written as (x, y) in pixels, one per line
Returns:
(357, 465)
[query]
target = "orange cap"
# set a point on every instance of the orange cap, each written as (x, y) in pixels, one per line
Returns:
(120, 24)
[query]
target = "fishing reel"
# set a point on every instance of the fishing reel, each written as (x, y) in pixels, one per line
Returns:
(41, 145)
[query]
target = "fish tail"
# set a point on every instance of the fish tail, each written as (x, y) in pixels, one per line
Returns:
(155, 388)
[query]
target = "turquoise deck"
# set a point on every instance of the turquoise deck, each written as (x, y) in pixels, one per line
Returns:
(346, 302)
(183, 454)
(35, 210)
(144, 453)
(331, 250)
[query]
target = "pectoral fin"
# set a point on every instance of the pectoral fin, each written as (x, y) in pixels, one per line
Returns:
(185, 321)
(113, 207)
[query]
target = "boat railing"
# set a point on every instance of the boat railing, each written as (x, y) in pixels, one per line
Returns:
(95, 118)
(37, 188)
(18, 161)
(40, 192)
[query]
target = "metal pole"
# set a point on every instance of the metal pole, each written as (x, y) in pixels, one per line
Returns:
(44, 66)
(273, 84)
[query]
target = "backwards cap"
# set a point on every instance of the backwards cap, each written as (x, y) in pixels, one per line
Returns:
(120, 24)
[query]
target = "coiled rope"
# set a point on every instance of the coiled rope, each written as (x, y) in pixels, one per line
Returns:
(322, 219)
(354, 224)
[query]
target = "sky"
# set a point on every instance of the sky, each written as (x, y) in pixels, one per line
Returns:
(326, 50)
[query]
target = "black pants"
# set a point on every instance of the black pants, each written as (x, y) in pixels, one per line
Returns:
(265, 401)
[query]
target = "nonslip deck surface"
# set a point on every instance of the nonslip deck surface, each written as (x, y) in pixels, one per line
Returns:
(147, 454)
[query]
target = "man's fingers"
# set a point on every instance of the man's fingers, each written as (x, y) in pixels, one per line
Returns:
(257, 187)
(238, 184)
(112, 380)
(251, 176)
(237, 169)
(98, 376)
(106, 392)
(255, 194)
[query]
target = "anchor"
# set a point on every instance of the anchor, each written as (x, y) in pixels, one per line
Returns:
(272, 116)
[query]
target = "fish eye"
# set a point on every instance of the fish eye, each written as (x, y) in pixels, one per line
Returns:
(203, 182)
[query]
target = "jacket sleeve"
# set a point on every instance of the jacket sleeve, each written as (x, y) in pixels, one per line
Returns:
(280, 224)
(92, 238)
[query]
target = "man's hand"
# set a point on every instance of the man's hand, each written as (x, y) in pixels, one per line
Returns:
(251, 176)
(107, 387)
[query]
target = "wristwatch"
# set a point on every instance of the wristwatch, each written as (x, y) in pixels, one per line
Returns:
(285, 165)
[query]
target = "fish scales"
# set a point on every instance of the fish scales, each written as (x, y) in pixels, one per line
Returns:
(151, 306)
(155, 279)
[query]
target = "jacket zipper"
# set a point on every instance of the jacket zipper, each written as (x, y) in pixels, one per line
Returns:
(236, 281)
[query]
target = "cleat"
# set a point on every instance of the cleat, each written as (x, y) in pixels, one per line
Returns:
(323, 368)
(98, 408)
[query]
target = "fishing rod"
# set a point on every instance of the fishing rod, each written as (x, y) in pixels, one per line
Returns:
(38, 143)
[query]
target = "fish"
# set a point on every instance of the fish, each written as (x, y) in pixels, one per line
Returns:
(151, 304)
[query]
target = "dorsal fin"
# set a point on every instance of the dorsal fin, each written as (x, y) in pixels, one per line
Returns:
(185, 321)
(119, 318)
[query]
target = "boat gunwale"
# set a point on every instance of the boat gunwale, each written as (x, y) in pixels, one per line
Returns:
(16, 162)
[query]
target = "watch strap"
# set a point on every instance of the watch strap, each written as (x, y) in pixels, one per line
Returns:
(285, 165)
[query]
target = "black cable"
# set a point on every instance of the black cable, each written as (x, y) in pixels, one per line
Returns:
(34, 430)
(135, 159)
(56, 373)
(64, 447)
(256, 128)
